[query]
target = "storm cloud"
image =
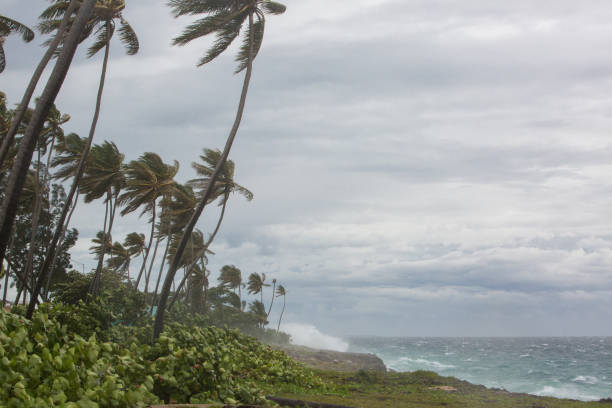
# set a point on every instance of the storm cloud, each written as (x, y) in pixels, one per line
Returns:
(419, 167)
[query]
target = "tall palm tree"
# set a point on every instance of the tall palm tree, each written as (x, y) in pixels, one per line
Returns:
(225, 19)
(147, 179)
(258, 310)
(273, 293)
(280, 291)
(103, 20)
(120, 258)
(7, 27)
(135, 245)
(231, 277)
(256, 283)
(103, 177)
(27, 96)
(16, 180)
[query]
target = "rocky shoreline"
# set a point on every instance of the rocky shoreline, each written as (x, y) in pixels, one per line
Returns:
(333, 360)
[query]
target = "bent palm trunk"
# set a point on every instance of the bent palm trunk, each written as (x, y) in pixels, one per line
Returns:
(159, 318)
(77, 177)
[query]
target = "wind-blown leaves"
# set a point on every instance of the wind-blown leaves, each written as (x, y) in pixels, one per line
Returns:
(7, 27)
(225, 18)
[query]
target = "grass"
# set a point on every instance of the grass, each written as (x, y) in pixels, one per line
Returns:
(422, 389)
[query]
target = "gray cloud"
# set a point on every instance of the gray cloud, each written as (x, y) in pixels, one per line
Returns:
(419, 167)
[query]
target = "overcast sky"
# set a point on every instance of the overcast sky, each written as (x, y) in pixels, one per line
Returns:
(420, 167)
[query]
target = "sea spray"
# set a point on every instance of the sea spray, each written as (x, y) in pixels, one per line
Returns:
(309, 336)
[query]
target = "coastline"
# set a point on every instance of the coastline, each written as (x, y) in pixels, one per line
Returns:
(363, 380)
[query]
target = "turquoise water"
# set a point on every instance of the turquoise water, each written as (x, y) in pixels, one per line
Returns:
(564, 367)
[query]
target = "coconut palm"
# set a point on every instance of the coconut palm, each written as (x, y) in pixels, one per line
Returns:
(146, 180)
(102, 20)
(225, 19)
(273, 293)
(103, 177)
(9, 26)
(120, 258)
(135, 244)
(15, 182)
(258, 310)
(27, 96)
(231, 277)
(256, 283)
(280, 291)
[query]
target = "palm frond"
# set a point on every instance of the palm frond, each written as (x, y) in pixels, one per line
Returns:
(272, 7)
(225, 37)
(193, 7)
(258, 32)
(104, 35)
(128, 37)
(2, 56)
(16, 27)
(203, 27)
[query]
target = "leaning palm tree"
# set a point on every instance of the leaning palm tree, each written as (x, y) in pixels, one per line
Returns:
(9, 26)
(103, 20)
(16, 180)
(147, 180)
(258, 311)
(273, 293)
(280, 291)
(135, 245)
(225, 19)
(120, 258)
(231, 277)
(103, 177)
(256, 283)
(27, 96)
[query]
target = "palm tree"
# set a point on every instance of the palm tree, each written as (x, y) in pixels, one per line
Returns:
(120, 258)
(7, 27)
(231, 277)
(135, 245)
(224, 18)
(103, 17)
(280, 291)
(147, 179)
(16, 180)
(25, 100)
(103, 176)
(258, 310)
(256, 284)
(273, 292)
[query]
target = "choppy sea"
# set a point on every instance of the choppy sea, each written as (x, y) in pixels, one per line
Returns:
(563, 367)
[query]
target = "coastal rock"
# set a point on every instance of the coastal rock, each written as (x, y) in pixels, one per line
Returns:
(333, 360)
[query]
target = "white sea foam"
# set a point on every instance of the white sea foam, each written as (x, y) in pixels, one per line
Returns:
(309, 336)
(587, 379)
(422, 363)
(565, 392)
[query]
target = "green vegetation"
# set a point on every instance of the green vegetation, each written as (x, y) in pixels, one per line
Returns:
(45, 363)
(421, 389)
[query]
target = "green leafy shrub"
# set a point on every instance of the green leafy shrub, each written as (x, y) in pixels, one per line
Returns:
(44, 363)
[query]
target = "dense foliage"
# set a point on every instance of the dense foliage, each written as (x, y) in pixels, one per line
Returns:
(46, 364)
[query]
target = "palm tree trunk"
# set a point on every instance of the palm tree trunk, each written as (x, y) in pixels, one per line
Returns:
(35, 217)
(81, 167)
(144, 261)
(16, 180)
(27, 96)
(148, 275)
(272, 301)
(6, 282)
(60, 243)
(95, 283)
(281, 315)
(161, 269)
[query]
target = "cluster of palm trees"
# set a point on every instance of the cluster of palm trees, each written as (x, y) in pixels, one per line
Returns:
(96, 171)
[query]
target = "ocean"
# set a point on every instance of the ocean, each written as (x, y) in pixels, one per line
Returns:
(563, 367)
